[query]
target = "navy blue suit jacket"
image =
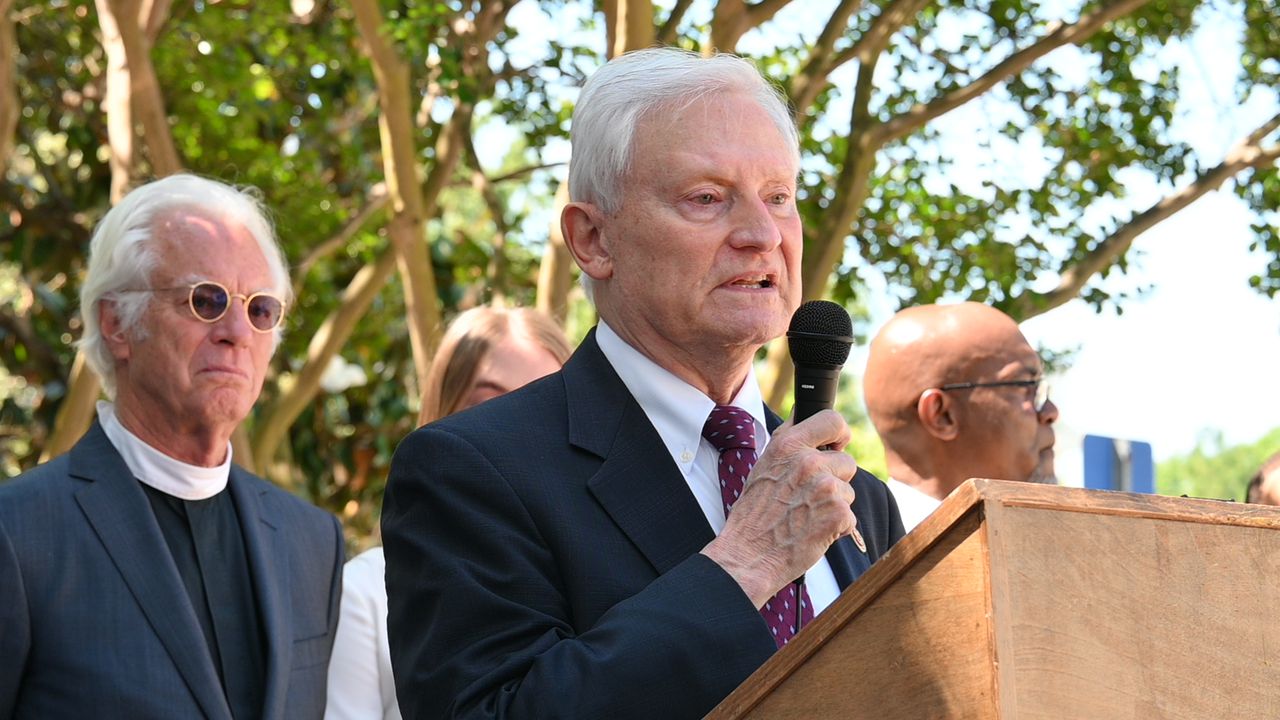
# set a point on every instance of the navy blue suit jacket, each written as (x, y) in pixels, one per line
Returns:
(94, 619)
(543, 562)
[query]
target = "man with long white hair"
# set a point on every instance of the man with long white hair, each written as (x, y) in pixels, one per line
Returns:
(142, 574)
(623, 538)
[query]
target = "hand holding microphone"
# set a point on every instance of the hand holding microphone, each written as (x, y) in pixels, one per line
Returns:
(798, 500)
(819, 339)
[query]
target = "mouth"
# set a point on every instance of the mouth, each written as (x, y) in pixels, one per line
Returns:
(224, 370)
(753, 282)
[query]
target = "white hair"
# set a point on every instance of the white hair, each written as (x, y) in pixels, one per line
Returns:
(638, 84)
(122, 253)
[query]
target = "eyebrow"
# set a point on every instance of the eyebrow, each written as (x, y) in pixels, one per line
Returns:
(1027, 370)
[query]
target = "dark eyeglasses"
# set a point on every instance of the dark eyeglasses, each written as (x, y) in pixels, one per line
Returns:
(1040, 384)
(209, 302)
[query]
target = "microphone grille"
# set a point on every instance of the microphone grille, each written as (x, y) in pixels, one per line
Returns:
(821, 333)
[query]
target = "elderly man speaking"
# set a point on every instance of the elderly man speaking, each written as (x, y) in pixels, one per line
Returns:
(622, 539)
(142, 574)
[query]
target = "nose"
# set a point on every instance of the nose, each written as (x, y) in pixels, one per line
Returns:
(1049, 413)
(233, 327)
(754, 226)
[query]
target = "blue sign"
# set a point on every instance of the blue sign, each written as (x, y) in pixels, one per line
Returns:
(1112, 464)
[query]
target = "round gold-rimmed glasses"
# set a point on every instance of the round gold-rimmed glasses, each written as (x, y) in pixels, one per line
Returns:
(209, 302)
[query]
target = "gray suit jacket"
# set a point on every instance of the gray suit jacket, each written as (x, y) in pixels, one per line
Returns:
(94, 620)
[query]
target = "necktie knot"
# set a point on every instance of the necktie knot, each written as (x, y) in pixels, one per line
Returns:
(730, 428)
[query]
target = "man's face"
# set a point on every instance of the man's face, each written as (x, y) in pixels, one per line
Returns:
(1005, 437)
(196, 376)
(705, 248)
(1269, 490)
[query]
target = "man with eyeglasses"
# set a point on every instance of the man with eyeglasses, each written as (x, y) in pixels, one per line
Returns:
(955, 392)
(142, 574)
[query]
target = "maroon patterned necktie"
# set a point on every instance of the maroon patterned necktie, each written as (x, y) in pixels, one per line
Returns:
(732, 431)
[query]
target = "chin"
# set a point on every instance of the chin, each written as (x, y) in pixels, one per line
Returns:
(1043, 476)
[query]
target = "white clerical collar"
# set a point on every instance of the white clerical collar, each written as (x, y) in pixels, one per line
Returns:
(677, 409)
(155, 469)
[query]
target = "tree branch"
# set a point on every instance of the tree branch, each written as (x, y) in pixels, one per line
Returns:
(152, 17)
(333, 333)
(521, 172)
(1059, 34)
(377, 201)
(871, 44)
(804, 86)
(734, 18)
(497, 271)
(1249, 153)
(667, 33)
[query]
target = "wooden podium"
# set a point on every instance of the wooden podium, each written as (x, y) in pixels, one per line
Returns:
(1022, 601)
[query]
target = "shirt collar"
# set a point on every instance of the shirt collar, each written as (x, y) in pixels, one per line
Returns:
(913, 504)
(155, 469)
(676, 409)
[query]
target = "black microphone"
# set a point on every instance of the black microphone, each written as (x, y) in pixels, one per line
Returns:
(820, 337)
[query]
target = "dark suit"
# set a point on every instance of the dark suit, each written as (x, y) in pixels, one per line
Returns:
(543, 562)
(95, 622)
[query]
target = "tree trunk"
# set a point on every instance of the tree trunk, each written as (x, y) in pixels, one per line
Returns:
(555, 274)
(118, 103)
(399, 158)
(131, 86)
(628, 26)
(333, 333)
(76, 411)
(9, 109)
(274, 422)
(823, 249)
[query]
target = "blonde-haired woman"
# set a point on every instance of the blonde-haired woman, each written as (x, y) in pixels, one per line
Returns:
(485, 352)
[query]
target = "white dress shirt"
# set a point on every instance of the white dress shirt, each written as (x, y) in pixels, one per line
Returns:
(678, 411)
(914, 505)
(361, 686)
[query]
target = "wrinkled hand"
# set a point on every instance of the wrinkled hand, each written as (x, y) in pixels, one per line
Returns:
(797, 502)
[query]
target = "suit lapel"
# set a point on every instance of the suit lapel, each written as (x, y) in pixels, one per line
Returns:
(847, 561)
(117, 508)
(266, 560)
(638, 484)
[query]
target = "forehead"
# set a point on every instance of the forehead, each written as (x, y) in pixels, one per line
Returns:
(1271, 479)
(193, 242)
(515, 360)
(714, 129)
(1005, 356)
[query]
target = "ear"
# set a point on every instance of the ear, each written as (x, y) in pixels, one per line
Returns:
(113, 333)
(937, 414)
(582, 226)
